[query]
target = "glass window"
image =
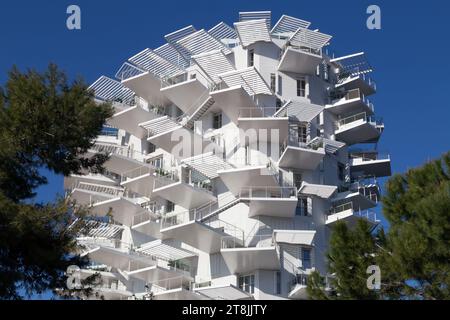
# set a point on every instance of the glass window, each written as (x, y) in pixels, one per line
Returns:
(272, 82)
(217, 120)
(278, 282)
(247, 283)
(341, 171)
(251, 57)
(302, 133)
(302, 207)
(280, 85)
(306, 258)
(301, 88)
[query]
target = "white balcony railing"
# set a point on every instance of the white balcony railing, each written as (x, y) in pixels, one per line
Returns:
(136, 173)
(359, 117)
(368, 214)
(268, 192)
(352, 95)
(254, 241)
(344, 77)
(124, 151)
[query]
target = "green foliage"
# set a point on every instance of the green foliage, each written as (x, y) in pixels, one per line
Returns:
(44, 123)
(416, 262)
(351, 252)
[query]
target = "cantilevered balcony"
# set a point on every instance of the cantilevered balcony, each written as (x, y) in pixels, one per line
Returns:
(350, 102)
(240, 89)
(222, 292)
(295, 153)
(176, 288)
(358, 128)
(110, 287)
(139, 180)
(357, 81)
(361, 197)
(191, 228)
(303, 51)
(296, 237)
(266, 126)
(249, 171)
(184, 90)
(258, 252)
(270, 201)
(128, 118)
(317, 190)
(121, 209)
(148, 222)
(121, 158)
(346, 212)
(162, 269)
(71, 180)
(369, 163)
(177, 138)
(187, 188)
(298, 287)
(85, 193)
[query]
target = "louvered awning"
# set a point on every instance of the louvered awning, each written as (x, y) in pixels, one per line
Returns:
(309, 38)
(249, 79)
(107, 89)
(302, 111)
(287, 25)
(252, 31)
(353, 64)
(173, 38)
(257, 15)
(201, 42)
(168, 52)
(213, 63)
(166, 250)
(222, 31)
(155, 64)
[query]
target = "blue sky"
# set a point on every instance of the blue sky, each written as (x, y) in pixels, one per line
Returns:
(409, 53)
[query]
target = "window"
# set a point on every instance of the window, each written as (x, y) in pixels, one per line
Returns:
(301, 88)
(247, 283)
(156, 162)
(280, 85)
(302, 207)
(278, 104)
(341, 171)
(251, 57)
(272, 82)
(306, 258)
(302, 133)
(297, 180)
(170, 206)
(217, 120)
(278, 282)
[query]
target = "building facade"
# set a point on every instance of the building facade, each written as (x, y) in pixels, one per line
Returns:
(232, 152)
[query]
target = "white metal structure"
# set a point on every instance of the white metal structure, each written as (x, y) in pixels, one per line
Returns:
(232, 155)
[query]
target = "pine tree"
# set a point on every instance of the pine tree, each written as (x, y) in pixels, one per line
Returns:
(351, 252)
(45, 122)
(415, 262)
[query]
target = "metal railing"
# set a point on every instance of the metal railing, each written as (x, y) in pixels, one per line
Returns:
(348, 76)
(256, 112)
(164, 285)
(99, 188)
(369, 156)
(368, 214)
(351, 95)
(255, 241)
(268, 192)
(135, 173)
(124, 151)
(296, 141)
(359, 116)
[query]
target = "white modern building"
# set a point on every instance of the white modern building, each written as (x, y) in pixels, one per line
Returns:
(233, 151)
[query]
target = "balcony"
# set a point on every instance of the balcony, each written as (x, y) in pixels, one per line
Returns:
(144, 83)
(259, 252)
(184, 90)
(298, 287)
(249, 171)
(163, 269)
(148, 222)
(191, 190)
(114, 253)
(295, 237)
(203, 234)
(222, 292)
(350, 102)
(270, 201)
(317, 190)
(85, 193)
(363, 196)
(359, 128)
(347, 213)
(71, 180)
(176, 288)
(128, 118)
(295, 153)
(357, 81)
(175, 137)
(139, 180)
(370, 163)
(121, 158)
(110, 288)
(262, 120)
